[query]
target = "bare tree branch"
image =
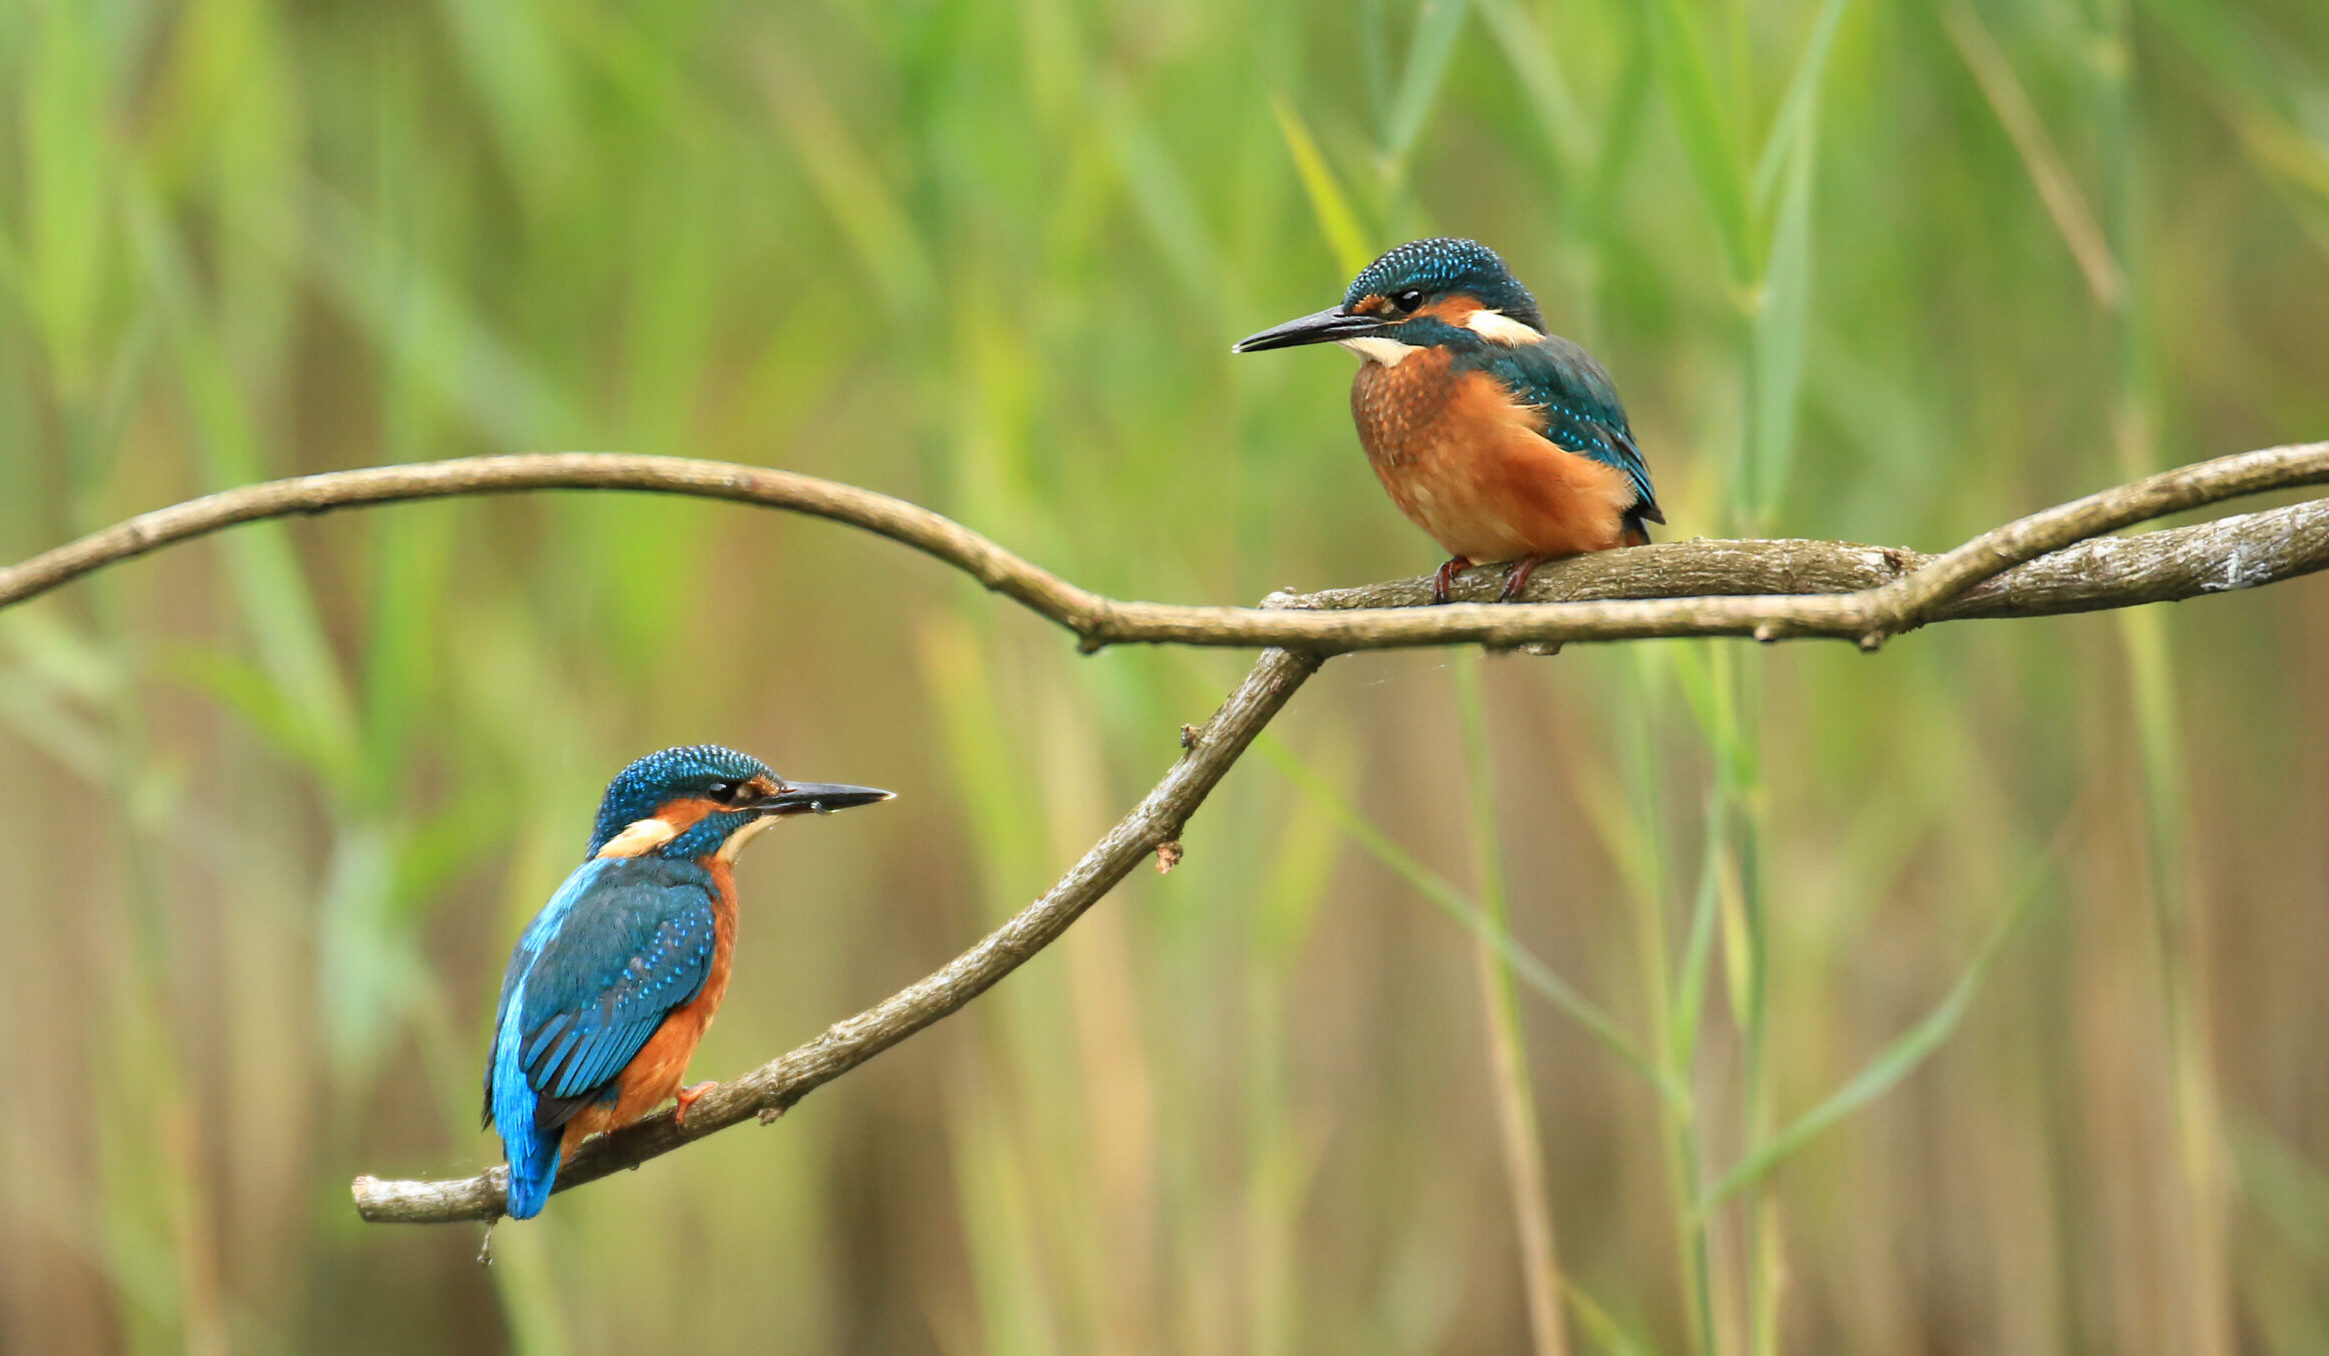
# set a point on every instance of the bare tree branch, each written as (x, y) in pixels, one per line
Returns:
(1679, 589)
(881, 514)
(2236, 552)
(1208, 752)
(2056, 561)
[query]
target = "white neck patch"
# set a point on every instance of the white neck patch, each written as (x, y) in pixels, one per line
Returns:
(1497, 327)
(642, 837)
(1376, 349)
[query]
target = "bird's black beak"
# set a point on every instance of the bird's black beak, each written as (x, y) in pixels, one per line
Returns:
(1322, 327)
(817, 798)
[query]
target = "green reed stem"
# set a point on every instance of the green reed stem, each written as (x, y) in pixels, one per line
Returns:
(1507, 1051)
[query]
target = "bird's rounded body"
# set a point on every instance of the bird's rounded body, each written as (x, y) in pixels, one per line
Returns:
(1471, 466)
(655, 1074)
(615, 981)
(1499, 440)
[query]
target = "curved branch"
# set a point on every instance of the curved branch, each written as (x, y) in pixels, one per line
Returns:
(768, 1091)
(2054, 561)
(1677, 589)
(910, 524)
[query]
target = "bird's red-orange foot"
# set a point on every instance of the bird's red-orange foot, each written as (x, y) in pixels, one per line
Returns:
(686, 1097)
(1446, 578)
(1516, 578)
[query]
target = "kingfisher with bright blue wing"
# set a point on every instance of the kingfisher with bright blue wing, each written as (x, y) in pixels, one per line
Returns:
(1501, 441)
(615, 980)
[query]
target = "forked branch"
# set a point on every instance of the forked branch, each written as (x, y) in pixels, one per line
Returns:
(2056, 561)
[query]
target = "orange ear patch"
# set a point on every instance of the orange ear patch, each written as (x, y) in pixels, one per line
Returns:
(1455, 310)
(684, 813)
(1467, 313)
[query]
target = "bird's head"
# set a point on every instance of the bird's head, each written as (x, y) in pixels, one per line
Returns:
(1437, 293)
(705, 801)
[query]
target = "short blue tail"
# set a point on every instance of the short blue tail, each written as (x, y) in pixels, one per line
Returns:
(531, 1151)
(533, 1165)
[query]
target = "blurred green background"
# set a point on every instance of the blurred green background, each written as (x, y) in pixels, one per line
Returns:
(273, 805)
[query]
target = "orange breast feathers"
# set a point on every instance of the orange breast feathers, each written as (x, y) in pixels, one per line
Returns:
(1467, 465)
(653, 1076)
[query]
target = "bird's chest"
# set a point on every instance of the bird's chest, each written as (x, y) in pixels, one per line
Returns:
(1468, 464)
(1404, 410)
(1449, 446)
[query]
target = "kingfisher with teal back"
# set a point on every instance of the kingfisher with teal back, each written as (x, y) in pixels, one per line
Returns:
(1499, 440)
(615, 980)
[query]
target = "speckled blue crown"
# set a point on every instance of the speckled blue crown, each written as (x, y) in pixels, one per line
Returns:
(638, 789)
(1444, 265)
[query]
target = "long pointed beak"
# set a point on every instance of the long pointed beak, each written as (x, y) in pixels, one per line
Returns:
(1317, 328)
(820, 798)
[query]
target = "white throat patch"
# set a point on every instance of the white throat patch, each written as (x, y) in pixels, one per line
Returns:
(1499, 328)
(751, 828)
(1376, 349)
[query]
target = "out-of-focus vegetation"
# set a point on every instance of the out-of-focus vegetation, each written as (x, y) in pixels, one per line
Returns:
(1963, 998)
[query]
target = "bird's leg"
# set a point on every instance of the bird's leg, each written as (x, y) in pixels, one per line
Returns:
(1446, 578)
(1516, 578)
(686, 1098)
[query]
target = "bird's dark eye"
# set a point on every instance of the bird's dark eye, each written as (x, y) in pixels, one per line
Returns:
(1408, 301)
(722, 792)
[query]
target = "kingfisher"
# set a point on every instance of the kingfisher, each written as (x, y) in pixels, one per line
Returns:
(615, 980)
(1501, 441)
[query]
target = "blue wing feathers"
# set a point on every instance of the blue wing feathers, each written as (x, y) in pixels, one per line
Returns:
(622, 944)
(1579, 409)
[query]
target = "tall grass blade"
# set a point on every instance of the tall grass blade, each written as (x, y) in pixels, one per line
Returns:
(1796, 117)
(1678, 55)
(1336, 221)
(1899, 1058)
(2057, 188)
(1438, 23)
(1567, 130)
(1444, 896)
(1508, 1052)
